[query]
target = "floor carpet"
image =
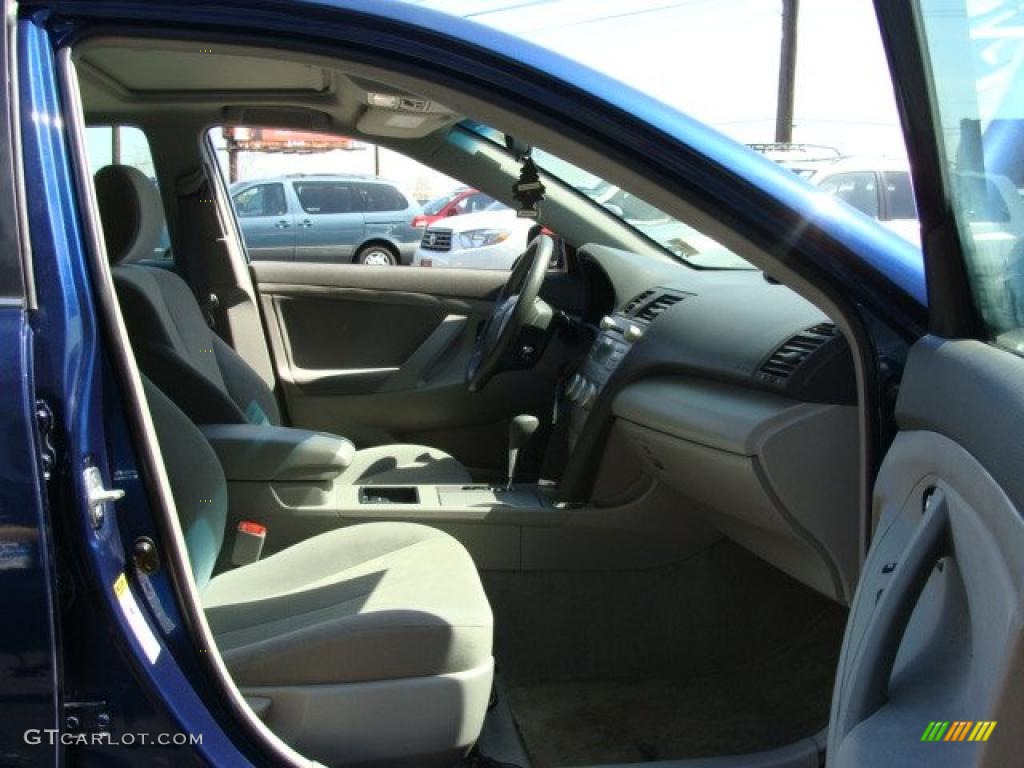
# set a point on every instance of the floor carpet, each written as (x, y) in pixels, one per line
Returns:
(636, 718)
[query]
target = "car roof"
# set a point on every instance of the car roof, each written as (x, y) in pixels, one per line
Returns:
(883, 252)
(318, 177)
(851, 164)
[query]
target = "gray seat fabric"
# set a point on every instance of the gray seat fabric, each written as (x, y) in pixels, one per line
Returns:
(179, 353)
(381, 615)
(197, 483)
(371, 602)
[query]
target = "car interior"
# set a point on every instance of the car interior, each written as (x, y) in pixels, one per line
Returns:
(606, 508)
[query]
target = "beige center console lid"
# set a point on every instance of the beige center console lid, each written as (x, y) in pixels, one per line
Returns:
(254, 453)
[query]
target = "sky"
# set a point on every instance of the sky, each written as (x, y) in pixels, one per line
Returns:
(718, 60)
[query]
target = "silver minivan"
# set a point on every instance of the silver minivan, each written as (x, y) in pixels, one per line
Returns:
(327, 218)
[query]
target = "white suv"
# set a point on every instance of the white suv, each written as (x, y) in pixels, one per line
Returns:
(880, 187)
(490, 239)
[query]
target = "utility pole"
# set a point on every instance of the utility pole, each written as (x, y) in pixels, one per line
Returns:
(231, 147)
(787, 72)
(115, 145)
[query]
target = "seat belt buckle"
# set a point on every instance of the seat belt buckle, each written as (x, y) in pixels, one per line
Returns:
(249, 540)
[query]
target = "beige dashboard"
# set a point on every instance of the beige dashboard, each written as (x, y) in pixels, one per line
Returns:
(776, 475)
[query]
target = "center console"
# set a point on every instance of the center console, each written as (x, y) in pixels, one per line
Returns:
(618, 333)
(615, 338)
(288, 484)
(461, 503)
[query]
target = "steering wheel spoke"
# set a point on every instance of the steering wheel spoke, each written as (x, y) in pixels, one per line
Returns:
(516, 307)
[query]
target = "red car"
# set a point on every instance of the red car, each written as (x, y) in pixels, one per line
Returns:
(464, 200)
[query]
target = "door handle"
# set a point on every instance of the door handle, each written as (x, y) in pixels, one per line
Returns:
(306, 223)
(866, 692)
(282, 224)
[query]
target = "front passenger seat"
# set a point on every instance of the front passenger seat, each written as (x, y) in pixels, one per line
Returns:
(366, 645)
(179, 353)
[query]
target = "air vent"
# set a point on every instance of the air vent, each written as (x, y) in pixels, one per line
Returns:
(655, 307)
(787, 358)
(636, 302)
(824, 329)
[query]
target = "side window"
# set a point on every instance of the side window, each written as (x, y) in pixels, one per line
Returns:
(858, 189)
(289, 187)
(382, 198)
(323, 197)
(261, 200)
(126, 145)
(899, 195)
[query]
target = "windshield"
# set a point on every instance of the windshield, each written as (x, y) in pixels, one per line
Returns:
(679, 239)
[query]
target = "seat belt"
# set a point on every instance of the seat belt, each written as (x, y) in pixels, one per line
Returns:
(222, 288)
(197, 229)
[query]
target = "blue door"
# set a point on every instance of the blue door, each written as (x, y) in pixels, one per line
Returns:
(388, 215)
(268, 225)
(329, 220)
(29, 696)
(87, 674)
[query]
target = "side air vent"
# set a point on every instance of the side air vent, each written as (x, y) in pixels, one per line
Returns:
(655, 307)
(636, 302)
(791, 355)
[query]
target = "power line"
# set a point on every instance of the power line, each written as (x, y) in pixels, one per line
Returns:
(511, 7)
(746, 121)
(611, 16)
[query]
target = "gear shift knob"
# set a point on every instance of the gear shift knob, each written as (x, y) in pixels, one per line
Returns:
(519, 432)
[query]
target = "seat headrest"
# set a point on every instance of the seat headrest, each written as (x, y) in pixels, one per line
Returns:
(130, 210)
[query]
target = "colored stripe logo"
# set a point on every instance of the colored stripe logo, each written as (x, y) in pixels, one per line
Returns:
(958, 730)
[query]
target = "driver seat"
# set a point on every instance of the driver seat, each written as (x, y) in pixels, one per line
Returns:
(202, 374)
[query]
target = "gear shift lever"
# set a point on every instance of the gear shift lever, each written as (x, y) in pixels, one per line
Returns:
(519, 432)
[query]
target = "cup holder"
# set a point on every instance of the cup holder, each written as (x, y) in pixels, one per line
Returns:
(370, 494)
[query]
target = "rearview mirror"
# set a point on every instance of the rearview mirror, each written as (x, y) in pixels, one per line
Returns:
(519, 149)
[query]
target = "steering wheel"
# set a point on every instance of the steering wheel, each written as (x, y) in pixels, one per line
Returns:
(518, 305)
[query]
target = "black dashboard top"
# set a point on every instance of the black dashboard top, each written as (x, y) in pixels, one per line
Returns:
(726, 325)
(731, 325)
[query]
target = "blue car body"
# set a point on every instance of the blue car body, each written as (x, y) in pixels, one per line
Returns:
(325, 218)
(71, 659)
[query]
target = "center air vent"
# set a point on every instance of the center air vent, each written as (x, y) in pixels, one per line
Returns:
(656, 306)
(791, 355)
(636, 302)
